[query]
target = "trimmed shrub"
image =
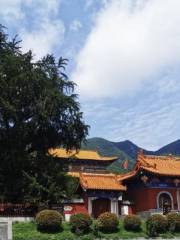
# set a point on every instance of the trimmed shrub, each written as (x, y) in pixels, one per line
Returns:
(107, 222)
(132, 223)
(95, 228)
(80, 223)
(173, 222)
(49, 221)
(156, 224)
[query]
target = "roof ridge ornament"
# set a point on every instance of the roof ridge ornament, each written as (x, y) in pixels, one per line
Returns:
(142, 162)
(141, 152)
(140, 156)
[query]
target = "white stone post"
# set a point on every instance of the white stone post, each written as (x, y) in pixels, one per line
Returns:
(90, 199)
(89, 206)
(114, 206)
(6, 230)
(10, 230)
(178, 199)
(124, 210)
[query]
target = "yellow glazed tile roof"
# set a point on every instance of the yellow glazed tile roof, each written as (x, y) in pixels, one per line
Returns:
(82, 154)
(100, 182)
(127, 175)
(163, 165)
(160, 165)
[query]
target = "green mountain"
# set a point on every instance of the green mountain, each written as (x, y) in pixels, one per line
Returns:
(172, 148)
(126, 150)
(131, 149)
(107, 148)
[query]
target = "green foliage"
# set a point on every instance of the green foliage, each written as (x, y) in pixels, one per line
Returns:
(80, 223)
(156, 224)
(47, 188)
(107, 222)
(38, 110)
(49, 221)
(173, 222)
(132, 223)
(28, 231)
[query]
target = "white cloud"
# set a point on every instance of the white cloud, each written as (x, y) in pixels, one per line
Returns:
(11, 10)
(130, 43)
(75, 25)
(44, 38)
(47, 30)
(88, 3)
(44, 7)
(36, 22)
(152, 129)
(149, 124)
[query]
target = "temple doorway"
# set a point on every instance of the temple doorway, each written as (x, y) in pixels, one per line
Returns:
(165, 202)
(99, 206)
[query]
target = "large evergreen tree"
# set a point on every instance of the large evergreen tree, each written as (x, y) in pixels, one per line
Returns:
(38, 110)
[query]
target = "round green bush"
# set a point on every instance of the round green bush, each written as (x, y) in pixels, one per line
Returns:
(156, 224)
(173, 222)
(49, 221)
(132, 223)
(80, 223)
(107, 222)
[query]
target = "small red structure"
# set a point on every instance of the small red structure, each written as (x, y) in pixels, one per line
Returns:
(100, 193)
(153, 185)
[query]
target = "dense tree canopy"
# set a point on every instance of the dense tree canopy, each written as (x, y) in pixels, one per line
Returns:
(38, 110)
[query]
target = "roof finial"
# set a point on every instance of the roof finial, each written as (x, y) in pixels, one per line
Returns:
(140, 154)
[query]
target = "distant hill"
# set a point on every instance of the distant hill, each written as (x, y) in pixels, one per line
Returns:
(131, 149)
(107, 148)
(126, 150)
(172, 148)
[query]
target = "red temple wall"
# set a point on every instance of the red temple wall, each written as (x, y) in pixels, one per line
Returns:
(143, 199)
(78, 207)
(146, 199)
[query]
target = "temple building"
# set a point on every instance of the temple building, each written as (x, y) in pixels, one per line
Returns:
(153, 185)
(100, 190)
(83, 160)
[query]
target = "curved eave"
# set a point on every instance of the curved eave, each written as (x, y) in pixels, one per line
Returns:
(134, 173)
(109, 189)
(88, 155)
(161, 173)
(89, 159)
(106, 182)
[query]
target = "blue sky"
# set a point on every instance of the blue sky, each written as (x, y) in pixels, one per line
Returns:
(124, 56)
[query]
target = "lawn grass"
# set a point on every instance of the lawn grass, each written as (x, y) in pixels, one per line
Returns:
(27, 231)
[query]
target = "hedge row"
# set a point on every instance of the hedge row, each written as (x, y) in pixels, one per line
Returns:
(80, 223)
(157, 223)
